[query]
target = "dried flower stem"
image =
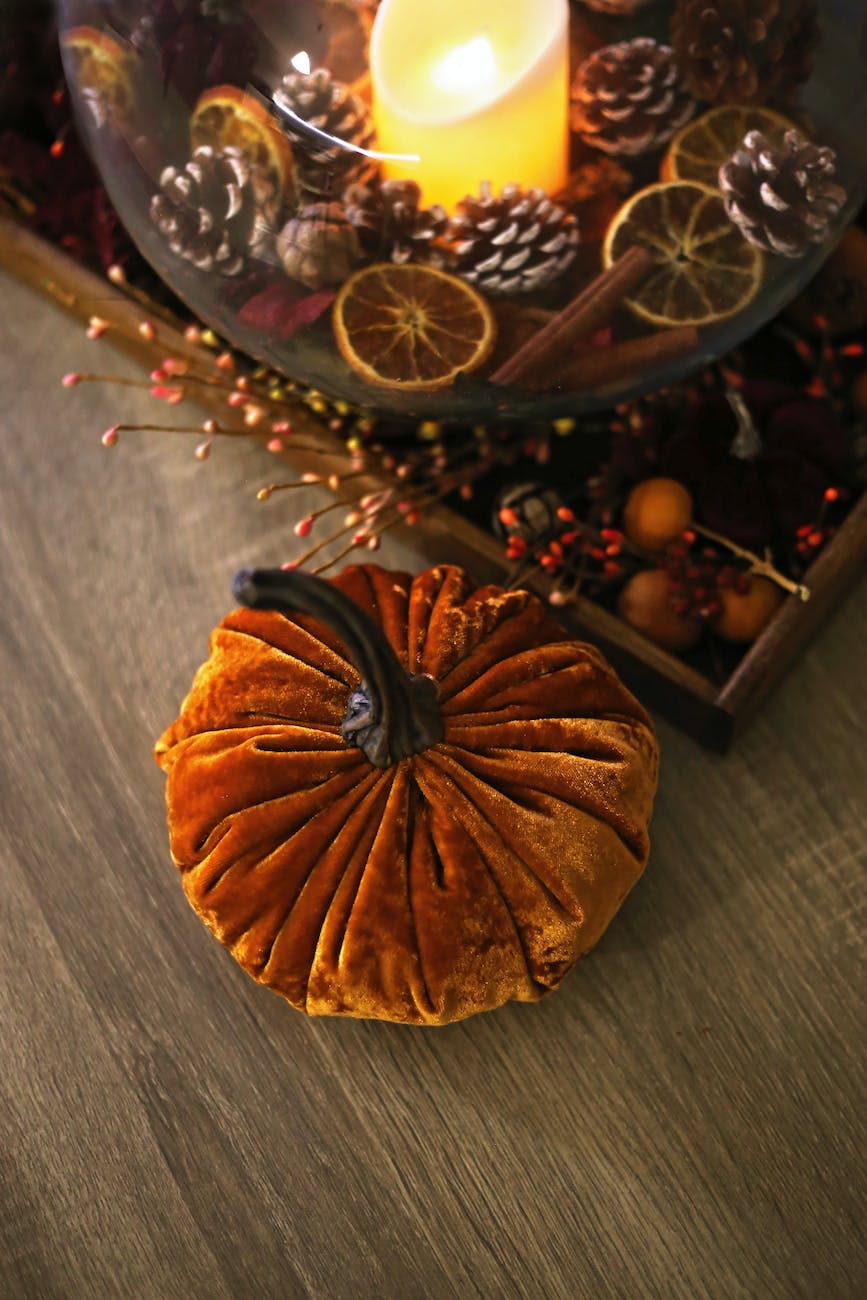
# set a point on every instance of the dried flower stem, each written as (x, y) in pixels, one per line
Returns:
(353, 545)
(251, 391)
(310, 481)
(764, 568)
(117, 276)
(323, 544)
(88, 377)
(174, 428)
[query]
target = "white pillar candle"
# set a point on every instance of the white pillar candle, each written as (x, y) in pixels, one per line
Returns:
(476, 90)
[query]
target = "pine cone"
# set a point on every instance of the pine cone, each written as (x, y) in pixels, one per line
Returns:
(315, 107)
(216, 211)
(390, 223)
(516, 242)
(629, 98)
(319, 246)
(744, 51)
(782, 199)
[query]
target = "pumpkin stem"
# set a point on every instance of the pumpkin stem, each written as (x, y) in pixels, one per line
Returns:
(391, 715)
(747, 443)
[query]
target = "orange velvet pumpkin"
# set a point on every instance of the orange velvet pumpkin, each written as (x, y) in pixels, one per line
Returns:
(445, 830)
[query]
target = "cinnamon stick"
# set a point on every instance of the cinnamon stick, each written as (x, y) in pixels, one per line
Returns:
(590, 311)
(604, 366)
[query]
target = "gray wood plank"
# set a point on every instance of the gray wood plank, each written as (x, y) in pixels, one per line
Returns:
(684, 1119)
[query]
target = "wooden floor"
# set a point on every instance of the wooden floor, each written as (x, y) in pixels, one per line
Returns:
(684, 1119)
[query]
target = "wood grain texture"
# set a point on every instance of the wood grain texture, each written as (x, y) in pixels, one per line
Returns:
(684, 1119)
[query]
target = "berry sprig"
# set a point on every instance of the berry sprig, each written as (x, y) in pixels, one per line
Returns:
(255, 402)
(757, 565)
(698, 577)
(814, 537)
(830, 363)
(575, 553)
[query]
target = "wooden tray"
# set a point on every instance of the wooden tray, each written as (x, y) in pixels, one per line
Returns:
(710, 713)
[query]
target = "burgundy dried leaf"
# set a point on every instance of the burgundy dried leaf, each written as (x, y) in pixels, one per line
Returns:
(281, 310)
(24, 161)
(196, 51)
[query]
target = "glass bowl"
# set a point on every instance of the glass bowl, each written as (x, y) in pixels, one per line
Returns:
(278, 235)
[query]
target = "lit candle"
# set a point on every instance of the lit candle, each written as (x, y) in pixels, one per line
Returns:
(474, 90)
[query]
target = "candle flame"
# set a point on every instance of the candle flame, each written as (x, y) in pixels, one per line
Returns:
(301, 63)
(466, 67)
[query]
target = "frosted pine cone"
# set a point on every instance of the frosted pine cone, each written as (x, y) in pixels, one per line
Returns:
(319, 246)
(328, 126)
(516, 242)
(782, 199)
(216, 211)
(390, 223)
(744, 51)
(629, 98)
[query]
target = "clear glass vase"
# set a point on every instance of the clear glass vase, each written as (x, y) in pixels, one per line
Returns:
(386, 202)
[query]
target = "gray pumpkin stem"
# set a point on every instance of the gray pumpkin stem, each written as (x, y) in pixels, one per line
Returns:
(747, 443)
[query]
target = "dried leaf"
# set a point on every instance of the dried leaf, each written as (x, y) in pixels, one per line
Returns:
(281, 310)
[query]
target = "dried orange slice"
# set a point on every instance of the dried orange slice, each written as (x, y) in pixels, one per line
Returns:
(225, 115)
(102, 69)
(702, 146)
(412, 327)
(706, 269)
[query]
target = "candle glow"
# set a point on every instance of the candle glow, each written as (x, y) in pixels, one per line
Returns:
(466, 67)
(477, 90)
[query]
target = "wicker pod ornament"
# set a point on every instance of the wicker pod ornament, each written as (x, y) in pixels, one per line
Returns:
(405, 798)
(318, 246)
(527, 511)
(328, 126)
(216, 211)
(783, 199)
(744, 51)
(513, 242)
(391, 224)
(629, 98)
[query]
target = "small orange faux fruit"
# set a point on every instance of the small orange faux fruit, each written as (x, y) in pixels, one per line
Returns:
(705, 271)
(702, 146)
(412, 327)
(656, 513)
(746, 614)
(102, 68)
(646, 603)
(225, 116)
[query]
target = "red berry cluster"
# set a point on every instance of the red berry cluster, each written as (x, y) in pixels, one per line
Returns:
(811, 538)
(576, 544)
(698, 577)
